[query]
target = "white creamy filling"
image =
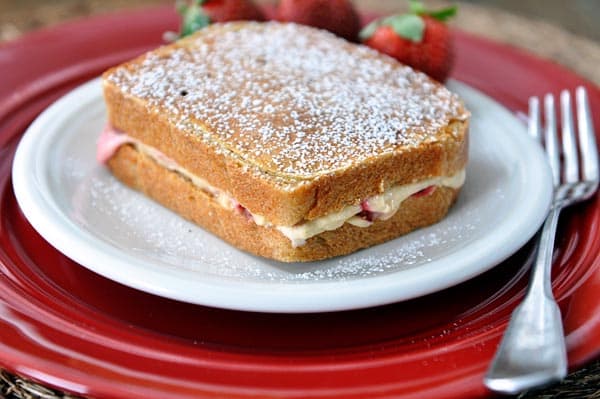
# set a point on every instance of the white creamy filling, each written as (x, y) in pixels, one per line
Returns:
(383, 206)
(224, 199)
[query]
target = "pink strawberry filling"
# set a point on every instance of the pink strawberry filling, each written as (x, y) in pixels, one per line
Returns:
(110, 139)
(425, 192)
(366, 213)
(370, 215)
(242, 210)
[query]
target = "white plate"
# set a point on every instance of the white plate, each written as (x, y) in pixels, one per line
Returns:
(84, 212)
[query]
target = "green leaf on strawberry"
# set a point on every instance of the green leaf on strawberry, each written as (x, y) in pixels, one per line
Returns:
(198, 14)
(369, 30)
(193, 17)
(419, 39)
(408, 26)
(444, 14)
(417, 8)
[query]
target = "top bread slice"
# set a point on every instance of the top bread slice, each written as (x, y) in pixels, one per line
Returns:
(291, 121)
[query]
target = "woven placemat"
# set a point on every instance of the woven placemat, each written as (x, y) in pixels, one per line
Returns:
(582, 384)
(574, 52)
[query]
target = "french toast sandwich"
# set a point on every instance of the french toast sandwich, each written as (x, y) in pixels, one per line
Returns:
(284, 140)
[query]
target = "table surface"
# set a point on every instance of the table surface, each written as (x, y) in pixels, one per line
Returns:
(576, 52)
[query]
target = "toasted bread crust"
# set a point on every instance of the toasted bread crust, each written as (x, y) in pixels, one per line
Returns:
(282, 198)
(177, 193)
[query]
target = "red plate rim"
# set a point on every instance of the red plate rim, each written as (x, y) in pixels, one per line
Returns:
(47, 335)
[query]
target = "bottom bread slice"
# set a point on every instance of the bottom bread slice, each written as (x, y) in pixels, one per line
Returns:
(177, 193)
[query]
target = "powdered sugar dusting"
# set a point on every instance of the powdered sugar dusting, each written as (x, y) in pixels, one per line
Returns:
(178, 244)
(296, 100)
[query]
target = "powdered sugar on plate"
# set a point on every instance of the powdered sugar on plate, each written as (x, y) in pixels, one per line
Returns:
(153, 232)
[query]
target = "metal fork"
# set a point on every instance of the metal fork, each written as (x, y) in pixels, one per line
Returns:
(532, 352)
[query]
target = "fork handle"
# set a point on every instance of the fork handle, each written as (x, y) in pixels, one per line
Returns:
(533, 350)
(542, 268)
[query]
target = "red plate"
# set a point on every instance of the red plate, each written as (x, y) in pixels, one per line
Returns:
(67, 327)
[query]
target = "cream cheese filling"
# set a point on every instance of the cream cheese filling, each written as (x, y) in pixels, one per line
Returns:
(385, 205)
(382, 206)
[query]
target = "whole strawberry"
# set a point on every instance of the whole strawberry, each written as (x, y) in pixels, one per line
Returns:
(420, 39)
(337, 16)
(198, 14)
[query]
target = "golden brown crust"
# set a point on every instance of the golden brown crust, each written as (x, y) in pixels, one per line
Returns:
(177, 193)
(284, 198)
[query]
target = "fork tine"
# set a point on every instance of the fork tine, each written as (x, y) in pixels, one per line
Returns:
(589, 150)
(551, 139)
(569, 145)
(534, 119)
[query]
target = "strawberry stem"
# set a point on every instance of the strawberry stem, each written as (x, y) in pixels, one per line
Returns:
(408, 26)
(444, 14)
(416, 7)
